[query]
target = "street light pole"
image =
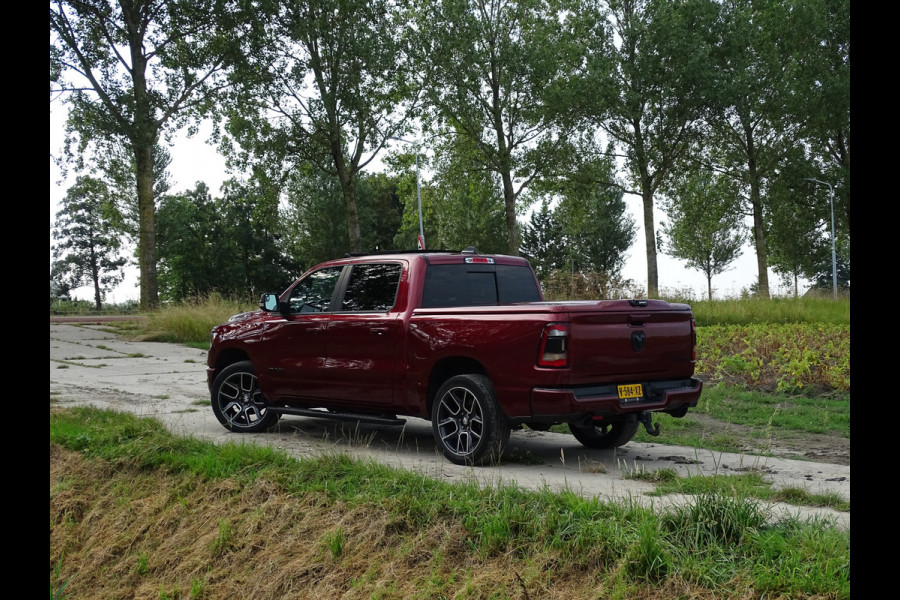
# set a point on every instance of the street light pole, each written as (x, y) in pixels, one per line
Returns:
(418, 190)
(833, 252)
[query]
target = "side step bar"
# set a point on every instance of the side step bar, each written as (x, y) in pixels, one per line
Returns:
(336, 416)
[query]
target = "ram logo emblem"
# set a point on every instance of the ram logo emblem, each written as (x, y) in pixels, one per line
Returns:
(638, 340)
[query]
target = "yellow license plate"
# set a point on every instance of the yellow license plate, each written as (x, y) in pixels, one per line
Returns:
(633, 390)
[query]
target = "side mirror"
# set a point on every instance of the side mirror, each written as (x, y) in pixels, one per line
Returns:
(268, 302)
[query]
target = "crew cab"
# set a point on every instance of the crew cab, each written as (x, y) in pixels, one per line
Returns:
(460, 338)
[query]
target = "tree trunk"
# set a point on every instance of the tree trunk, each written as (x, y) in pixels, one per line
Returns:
(143, 155)
(759, 241)
(348, 187)
(352, 216)
(509, 198)
(95, 277)
(143, 142)
(650, 244)
(759, 230)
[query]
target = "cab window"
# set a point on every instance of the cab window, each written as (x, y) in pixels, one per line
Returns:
(372, 288)
(314, 292)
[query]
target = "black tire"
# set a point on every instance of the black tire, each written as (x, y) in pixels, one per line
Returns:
(237, 401)
(469, 427)
(605, 436)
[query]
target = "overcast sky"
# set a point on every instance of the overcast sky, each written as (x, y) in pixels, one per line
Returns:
(194, 160)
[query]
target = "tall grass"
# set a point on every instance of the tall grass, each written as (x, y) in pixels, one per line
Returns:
(750, 311)
(190, 321)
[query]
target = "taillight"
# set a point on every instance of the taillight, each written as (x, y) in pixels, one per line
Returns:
(693, 339)
(554, 346)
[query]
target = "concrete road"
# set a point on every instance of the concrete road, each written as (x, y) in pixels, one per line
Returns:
(168, 382)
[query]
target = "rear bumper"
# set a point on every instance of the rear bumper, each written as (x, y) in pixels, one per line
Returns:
(567, 404)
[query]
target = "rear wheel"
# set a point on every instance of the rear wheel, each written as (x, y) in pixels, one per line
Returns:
(469, 427)
(605, 436)
(237, 401)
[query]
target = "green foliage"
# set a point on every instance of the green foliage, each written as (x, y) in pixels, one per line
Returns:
(589, 285)
(647, 85)
(464, 202)
(706, 225)
(223, 541)
(334, 542)
(782, 357)
(589, 231)
(495, 73)
(141, 568)
(825, 413)
(543, 242)
(324, 84)
(226, 245)
(314, 220)
(715, 519)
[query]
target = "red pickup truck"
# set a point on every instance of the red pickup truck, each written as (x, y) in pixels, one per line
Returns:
(462, 339)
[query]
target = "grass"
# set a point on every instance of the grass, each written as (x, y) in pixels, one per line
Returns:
(745, 485)
(751, 311)
(748, 416)
(828, 415)
(230, 509)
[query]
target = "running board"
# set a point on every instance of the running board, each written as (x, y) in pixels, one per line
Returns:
(336, 416)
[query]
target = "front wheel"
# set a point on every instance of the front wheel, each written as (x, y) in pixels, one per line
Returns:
(237, 401)
(469, 427)
(605, 436)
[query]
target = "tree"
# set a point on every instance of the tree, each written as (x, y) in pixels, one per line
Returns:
(88, 250)
(465, 200)
(593, 217)
(706, 227)
(649, 77)
(380, 210)
(798, 215)
(315, 220)
(325, 83)
(820, 85)
(756, 129)
(185, 243)
(495, 67)
(823, 272)
(543, 241)
(129, 71)
(226, 245)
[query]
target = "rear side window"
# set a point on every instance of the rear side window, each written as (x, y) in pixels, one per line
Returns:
(477, 285)
(371, 288)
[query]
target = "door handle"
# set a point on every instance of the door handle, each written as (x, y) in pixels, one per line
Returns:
(378, 330)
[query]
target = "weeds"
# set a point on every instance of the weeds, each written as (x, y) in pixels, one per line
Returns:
(141, 568)
(334, 542)
(223, 540)
(56, 573)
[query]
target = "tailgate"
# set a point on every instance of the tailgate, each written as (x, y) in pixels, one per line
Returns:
(617, 342)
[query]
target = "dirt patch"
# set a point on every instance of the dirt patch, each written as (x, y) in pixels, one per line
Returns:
(830, 449)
